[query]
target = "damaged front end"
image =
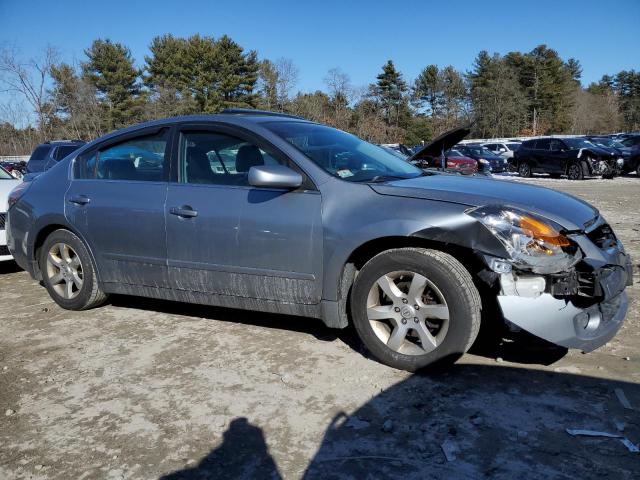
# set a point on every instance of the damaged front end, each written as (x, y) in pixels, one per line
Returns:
(566, 287)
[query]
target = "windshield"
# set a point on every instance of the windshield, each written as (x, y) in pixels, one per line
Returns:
(4, 175)
(483, 152)
(513, 146)
(578, 143)
(607, 142)
(342, 154)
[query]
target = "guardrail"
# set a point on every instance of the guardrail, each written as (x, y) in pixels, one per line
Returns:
(14, 158)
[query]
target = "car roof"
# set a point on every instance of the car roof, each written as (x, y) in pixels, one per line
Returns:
(236, 116)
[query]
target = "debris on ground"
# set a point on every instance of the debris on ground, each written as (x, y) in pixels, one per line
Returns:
(623, 398)
(450, 449)
(632, 447)
(387, 426)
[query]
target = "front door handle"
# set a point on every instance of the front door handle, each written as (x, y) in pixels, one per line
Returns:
(79, 199)
(184, 212)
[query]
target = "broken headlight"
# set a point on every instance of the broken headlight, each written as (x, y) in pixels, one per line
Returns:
(530, 240)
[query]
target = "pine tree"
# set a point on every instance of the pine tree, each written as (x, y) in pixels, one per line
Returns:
(390, 91)
(111, 71)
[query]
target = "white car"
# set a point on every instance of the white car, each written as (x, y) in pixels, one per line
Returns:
(503, 149)
(7, 183)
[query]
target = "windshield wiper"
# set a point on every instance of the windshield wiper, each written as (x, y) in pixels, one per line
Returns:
(384, 178)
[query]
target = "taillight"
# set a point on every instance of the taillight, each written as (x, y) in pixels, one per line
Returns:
(18, 192)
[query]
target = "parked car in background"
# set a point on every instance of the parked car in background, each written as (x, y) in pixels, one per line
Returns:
(47, 154)
(503, 149)
(574, 157)
(629, 164)
(394, 152)
(431, 155)
(316, 222)
(16, 169)
(484, 157)
(7, 183)
(399, 147)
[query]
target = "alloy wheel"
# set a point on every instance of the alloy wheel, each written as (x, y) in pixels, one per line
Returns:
(524, 170)
(408, 313)
(574, 171)
(64, 271)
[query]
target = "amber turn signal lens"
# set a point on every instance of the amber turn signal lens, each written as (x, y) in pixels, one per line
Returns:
(544, 232)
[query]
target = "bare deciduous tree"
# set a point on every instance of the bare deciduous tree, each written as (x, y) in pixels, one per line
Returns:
(29, 80)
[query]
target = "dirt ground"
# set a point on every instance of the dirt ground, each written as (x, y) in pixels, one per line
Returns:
(144, 389)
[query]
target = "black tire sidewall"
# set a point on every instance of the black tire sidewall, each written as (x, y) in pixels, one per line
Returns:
(460, 323)
(528, 170)
(83, 298)
(580, 175)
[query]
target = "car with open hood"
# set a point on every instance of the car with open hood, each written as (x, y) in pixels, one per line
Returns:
(438, 155)
(272, 213)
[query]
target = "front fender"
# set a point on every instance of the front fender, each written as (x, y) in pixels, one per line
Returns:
(437, 221)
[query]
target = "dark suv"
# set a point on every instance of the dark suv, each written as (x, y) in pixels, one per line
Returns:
(574, 157)
(47, 154)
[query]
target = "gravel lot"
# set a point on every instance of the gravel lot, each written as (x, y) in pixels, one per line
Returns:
(143, 389)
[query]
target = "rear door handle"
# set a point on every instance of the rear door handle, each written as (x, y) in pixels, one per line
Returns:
(79, 199)
(184, 212)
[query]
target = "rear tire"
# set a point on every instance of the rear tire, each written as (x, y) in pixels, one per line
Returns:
(575, 171)
(524, 169)
(442, 327)
(68, 273)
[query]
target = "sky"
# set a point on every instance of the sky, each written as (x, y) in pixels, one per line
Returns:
(356, 36)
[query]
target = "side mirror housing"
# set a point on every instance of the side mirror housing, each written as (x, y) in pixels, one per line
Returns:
(274, 176)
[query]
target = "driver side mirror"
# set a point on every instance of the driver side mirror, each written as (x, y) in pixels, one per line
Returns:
(274, 176)
(502, 149)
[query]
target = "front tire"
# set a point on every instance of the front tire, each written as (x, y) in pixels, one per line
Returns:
(415, 307)
(68, 273)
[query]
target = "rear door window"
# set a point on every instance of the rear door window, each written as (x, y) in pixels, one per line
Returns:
(138, 159)
(542, 144)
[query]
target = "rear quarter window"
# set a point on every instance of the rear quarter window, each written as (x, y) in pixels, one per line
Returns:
(40, 153)
(63, 151)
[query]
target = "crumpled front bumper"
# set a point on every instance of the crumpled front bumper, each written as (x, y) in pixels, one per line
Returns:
(558, 320)
(561, 322)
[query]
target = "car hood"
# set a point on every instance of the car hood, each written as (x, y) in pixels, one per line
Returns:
(602, 151)
(566, 210)
(5, 187)
(442, 143)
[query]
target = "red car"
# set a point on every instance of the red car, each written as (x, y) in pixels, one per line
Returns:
(432, 154)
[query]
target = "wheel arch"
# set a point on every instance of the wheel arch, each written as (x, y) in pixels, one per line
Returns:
(41, 235)
(469, 257)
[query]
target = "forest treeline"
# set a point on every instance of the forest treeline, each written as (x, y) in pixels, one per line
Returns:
(530, 93)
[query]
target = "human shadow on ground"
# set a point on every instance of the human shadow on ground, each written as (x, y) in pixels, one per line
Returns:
(470, 422)
(243, 454)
